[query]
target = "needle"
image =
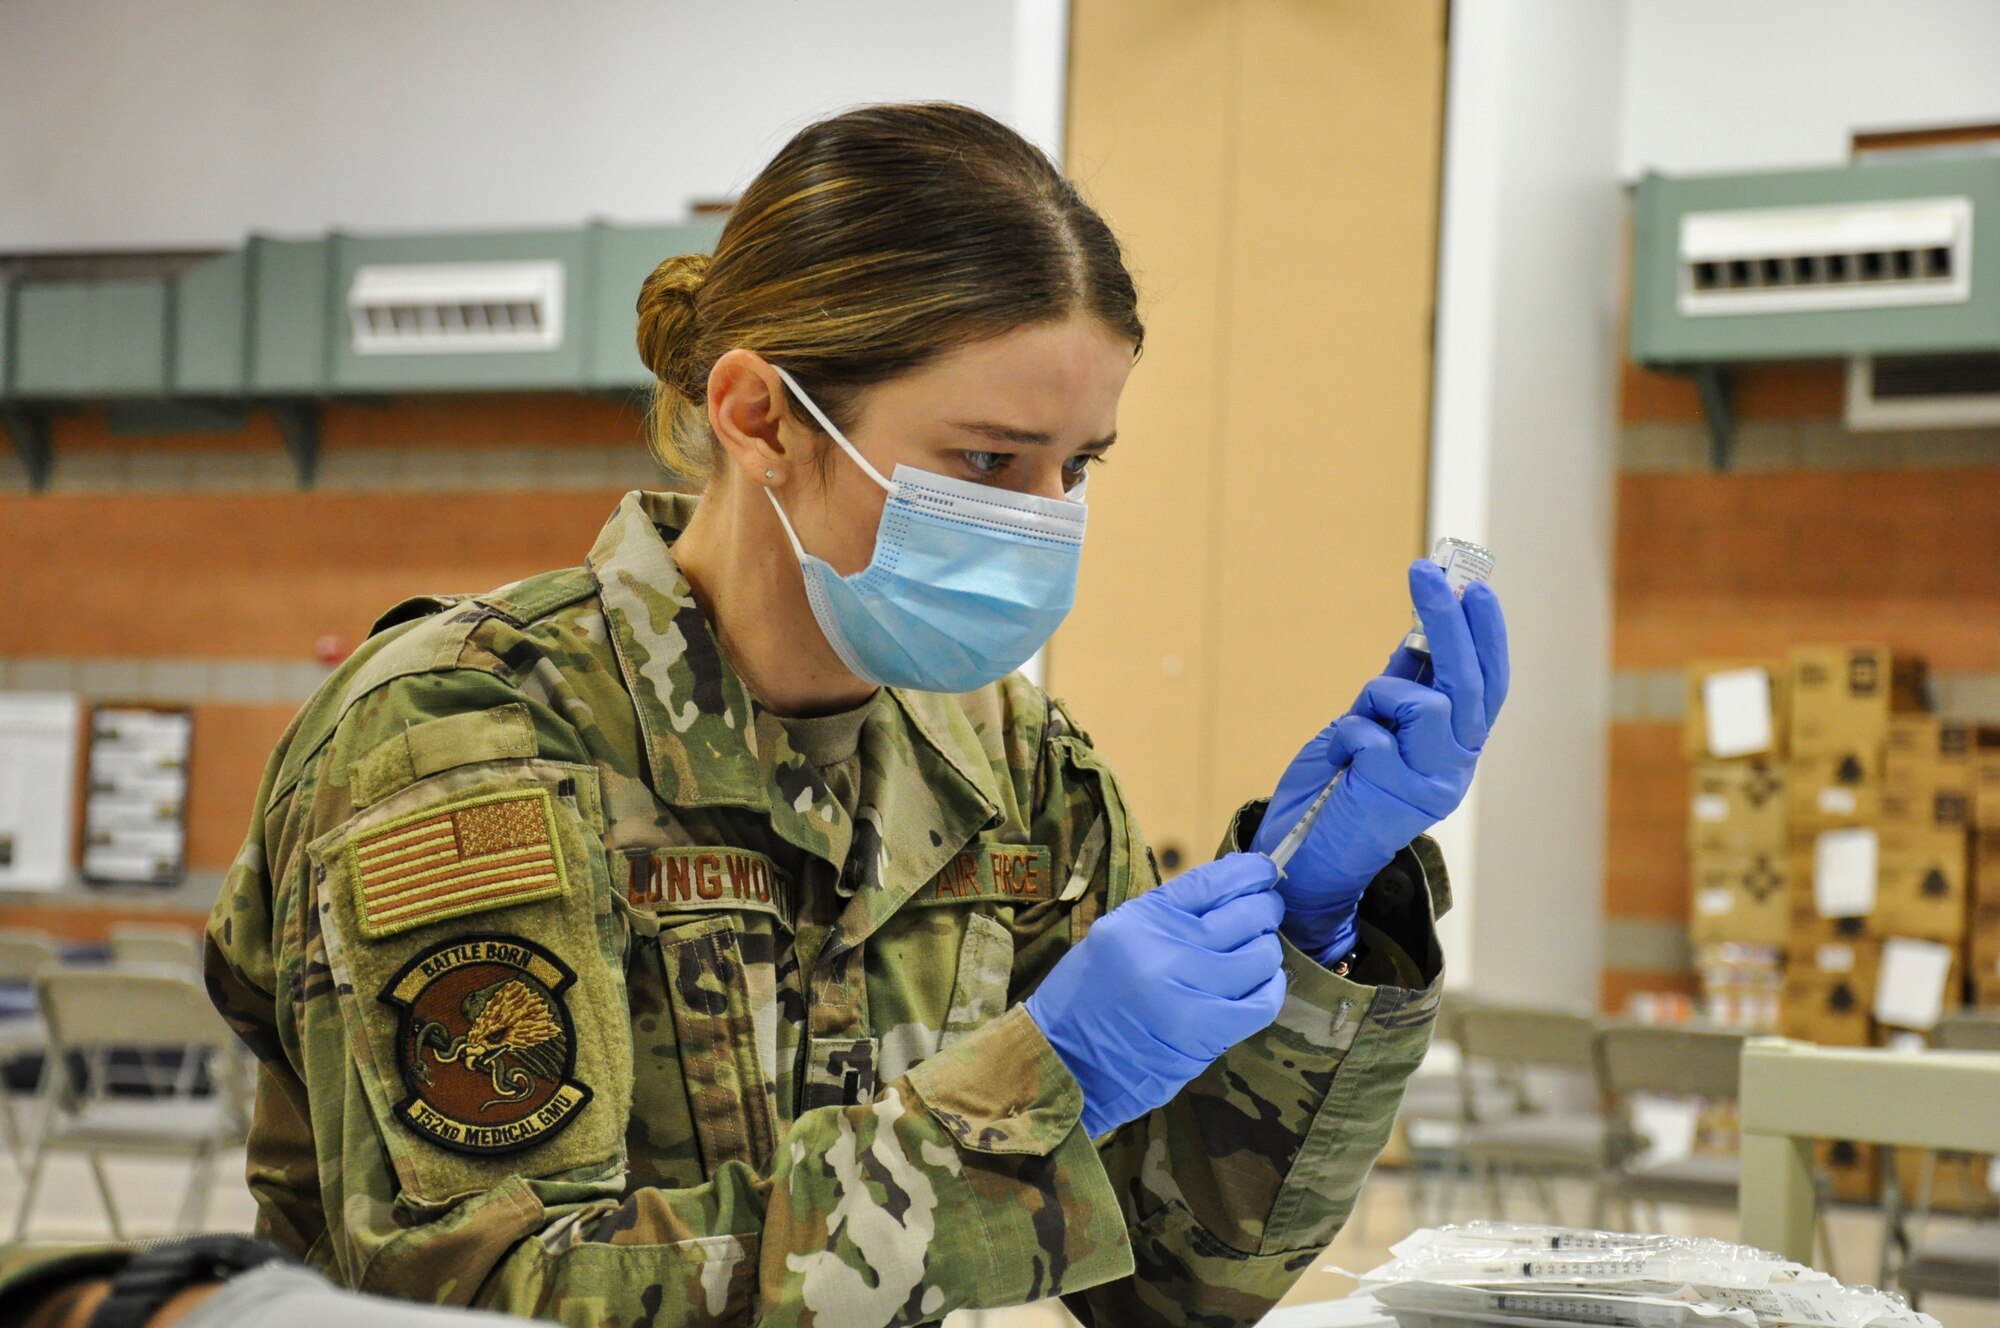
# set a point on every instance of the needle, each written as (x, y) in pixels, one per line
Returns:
(1296, 836)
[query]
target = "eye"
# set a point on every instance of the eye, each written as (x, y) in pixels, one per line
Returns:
(1074, 467)
(987, 463)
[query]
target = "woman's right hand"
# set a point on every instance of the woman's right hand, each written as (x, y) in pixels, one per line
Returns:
(1163, 984)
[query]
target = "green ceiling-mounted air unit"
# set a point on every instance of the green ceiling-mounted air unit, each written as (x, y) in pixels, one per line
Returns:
(1881, 257)
(90, 339)
(286, 325)
(497, 311)
(1884, 261)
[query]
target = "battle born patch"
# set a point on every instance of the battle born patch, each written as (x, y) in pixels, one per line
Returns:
(485, 1045)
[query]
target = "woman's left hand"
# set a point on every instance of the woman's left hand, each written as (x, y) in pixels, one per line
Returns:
(1408, 749)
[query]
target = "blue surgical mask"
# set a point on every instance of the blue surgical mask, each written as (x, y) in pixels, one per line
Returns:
(968, 580)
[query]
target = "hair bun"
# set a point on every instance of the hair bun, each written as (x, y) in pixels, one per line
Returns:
(668, 320)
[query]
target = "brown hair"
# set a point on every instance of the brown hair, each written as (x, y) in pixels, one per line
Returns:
(873, 242)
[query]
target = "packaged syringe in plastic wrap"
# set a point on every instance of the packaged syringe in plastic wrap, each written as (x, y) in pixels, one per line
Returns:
(1507, 1273)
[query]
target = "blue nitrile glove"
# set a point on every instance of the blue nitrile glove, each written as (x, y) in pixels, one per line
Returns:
(1408, 745)
(1163, 984)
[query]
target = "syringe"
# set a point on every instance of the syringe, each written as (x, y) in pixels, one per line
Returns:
(1464, 562)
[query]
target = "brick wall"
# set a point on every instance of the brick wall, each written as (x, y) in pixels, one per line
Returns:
(1816, 535)
(190, 569)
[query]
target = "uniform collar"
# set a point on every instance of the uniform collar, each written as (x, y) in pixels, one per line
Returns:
(710, 743)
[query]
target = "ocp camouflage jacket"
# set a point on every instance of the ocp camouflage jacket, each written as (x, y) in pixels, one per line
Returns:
(577, 994)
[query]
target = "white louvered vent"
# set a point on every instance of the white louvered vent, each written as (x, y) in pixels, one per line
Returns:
(424, 308)
(1923, 391)
(1849, 256)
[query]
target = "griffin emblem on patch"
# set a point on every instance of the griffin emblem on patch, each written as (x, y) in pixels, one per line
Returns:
(485, 1045)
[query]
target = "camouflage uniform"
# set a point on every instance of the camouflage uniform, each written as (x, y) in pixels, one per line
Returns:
(577, 994)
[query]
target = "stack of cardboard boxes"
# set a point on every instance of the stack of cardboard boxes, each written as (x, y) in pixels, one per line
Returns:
(1834, 860)
(1738, 838)
(1982, 942)
(1850, 844)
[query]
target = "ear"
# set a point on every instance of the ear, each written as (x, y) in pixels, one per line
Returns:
(750, 417)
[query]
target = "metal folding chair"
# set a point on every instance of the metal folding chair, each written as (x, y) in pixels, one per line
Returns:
(23, 954)
(1705, 1063)
(1690, 1062)
(1439, 1099)
(1965, 1263)
(94, 1011)
(145, 943)
(1541, 1135)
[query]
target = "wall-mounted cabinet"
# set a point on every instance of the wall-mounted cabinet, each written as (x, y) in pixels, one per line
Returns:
(487, 312)
(211, 352)
(1879, 257)
(289, 310)
(289, 323)
(92, 339)
(6, 335)
(622, 257)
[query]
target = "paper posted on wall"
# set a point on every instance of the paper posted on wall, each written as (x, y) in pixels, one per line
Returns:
(38, 753)
(1507, 1273)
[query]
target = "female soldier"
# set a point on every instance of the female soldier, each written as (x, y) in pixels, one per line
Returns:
(721, 931)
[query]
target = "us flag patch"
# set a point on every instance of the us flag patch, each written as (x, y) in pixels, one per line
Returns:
(461, 857)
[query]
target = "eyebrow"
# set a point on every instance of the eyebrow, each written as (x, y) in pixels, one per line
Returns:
(1005, 433)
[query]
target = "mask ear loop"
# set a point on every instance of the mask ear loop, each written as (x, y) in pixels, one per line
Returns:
(838, 437)
(836, 434)
(785, 521)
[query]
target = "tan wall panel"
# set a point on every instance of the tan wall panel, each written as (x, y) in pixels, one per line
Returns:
(1273, 169)
(1326, 442)
(1151, 87)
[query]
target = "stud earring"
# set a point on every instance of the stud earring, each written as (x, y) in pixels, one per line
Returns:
(770, 474)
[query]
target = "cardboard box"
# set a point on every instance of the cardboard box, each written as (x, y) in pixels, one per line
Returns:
(1841, 697)
(1829, 792)
(1811, 934)
(1985, 992)
(1854, 1169)
(1982, 956)
(1986, 791)
(1959, 1182)
(1695, 717)
(1830, 1014)
(1741, 897)
(1921, 887)
(1917, 740)
(1737, 807)
(1930, 769)
(1834, 958)
(1923, 806)
(1828, 993)
(1984, 883)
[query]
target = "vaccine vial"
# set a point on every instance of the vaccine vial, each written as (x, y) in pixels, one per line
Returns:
(1464, 562)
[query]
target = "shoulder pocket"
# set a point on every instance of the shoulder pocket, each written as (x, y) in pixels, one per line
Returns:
(470, 934)
(504, 732)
